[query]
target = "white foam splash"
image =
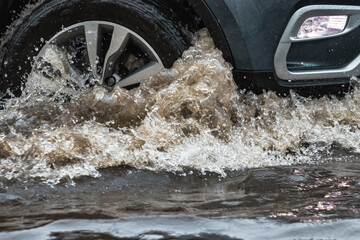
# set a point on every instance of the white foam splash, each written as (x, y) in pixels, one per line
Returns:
(189, 116)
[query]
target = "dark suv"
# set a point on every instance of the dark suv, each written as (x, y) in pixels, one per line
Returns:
(272, 44)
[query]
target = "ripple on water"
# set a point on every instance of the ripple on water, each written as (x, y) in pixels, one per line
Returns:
(188, 227)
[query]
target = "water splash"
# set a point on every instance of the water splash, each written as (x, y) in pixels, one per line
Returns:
(190, 116)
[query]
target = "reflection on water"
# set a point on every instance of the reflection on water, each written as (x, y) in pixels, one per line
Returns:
(188, 228)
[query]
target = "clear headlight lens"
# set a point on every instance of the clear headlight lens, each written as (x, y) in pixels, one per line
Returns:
(321, 26)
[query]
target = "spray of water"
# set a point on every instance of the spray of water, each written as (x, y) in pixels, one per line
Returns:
(189, 116)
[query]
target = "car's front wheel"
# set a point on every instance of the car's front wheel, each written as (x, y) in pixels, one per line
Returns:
(87, 42)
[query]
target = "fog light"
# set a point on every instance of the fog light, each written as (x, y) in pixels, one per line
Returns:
(321, 26)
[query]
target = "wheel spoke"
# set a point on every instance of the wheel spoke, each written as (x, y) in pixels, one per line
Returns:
(107, 54)
(92, 43)
(141, 74)
(118, 43)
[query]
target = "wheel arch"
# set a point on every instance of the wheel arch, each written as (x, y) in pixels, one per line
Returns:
(202, 9)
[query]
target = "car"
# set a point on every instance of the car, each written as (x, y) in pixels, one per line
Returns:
(310, 46)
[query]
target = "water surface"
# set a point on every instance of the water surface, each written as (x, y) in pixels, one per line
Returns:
(186, 153)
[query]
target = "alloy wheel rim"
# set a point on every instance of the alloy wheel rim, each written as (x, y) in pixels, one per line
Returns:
(106, 48)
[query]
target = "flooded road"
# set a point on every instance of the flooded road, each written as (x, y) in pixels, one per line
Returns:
(185, 155)
(293, 202)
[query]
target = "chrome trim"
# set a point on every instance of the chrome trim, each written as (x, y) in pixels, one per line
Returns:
(290, 36)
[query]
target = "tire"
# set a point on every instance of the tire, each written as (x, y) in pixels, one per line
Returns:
(159, 29)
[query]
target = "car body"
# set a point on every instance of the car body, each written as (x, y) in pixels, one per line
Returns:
(259, 28)
(258, 37)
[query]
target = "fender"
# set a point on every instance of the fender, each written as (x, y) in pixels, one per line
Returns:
(203, 9)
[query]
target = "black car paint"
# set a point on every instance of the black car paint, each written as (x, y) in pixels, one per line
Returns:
(253, 40)
(259, 27)
(248, 33)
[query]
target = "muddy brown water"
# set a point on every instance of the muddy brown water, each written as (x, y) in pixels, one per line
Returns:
(184, 156)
